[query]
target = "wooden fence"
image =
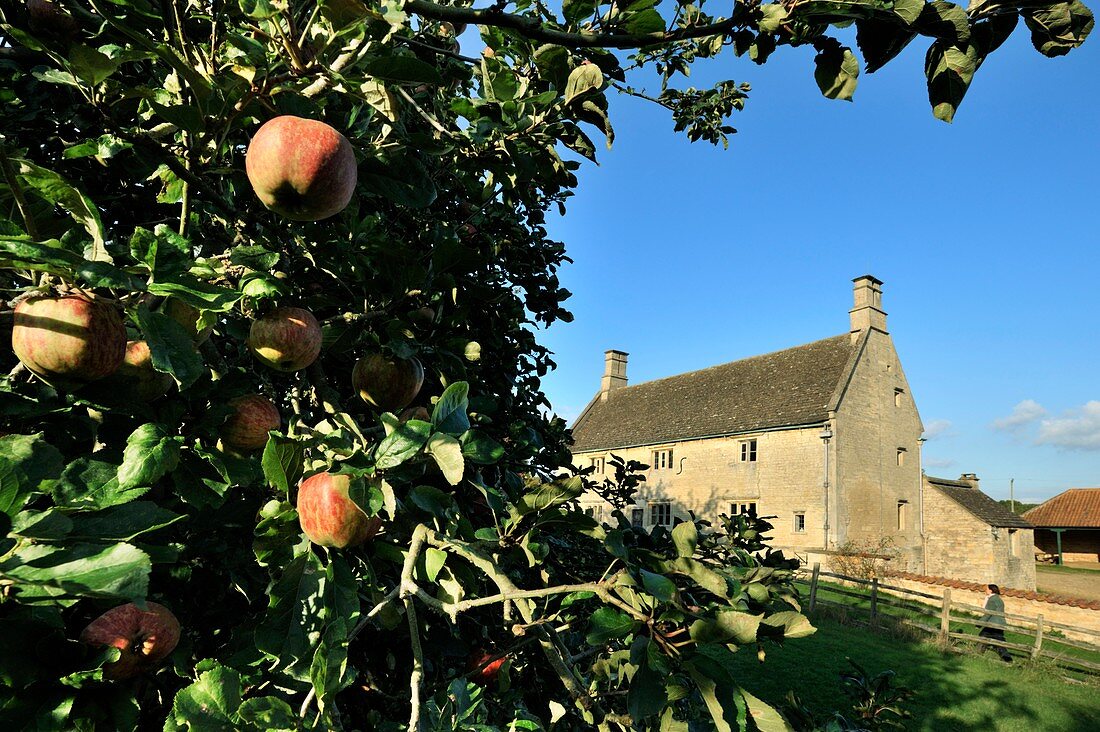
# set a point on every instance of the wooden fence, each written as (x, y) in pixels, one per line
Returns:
(921, 610)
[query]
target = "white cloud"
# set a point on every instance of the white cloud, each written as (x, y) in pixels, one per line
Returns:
(1075, 429)
(937, 428)
(1022, 415)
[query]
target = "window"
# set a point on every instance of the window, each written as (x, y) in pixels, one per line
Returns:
(595, 512)
(747, 508)
(597, 463)
(901, 455)
(1012, 546)
(660, 513)
(799, 522)
(899, 397)
(903, 515)
(748, 451)
(662, 459)
(637, 517)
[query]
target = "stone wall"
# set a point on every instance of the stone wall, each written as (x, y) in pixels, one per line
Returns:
(708, 475)
(876, 417)
(1069, 611)
(960, 545)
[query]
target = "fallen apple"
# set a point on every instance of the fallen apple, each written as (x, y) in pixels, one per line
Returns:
(68, 340)
(145, 637)
(246, 428)
(388, 383)
(328, 515)
(286, 339)
(301, 169)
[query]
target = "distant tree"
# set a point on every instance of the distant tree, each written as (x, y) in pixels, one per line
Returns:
(291, 395)
(1018, 506)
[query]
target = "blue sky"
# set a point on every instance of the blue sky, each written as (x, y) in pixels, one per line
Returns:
(984, 231)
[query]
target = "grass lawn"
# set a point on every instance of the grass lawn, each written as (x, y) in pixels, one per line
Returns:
(954, 692)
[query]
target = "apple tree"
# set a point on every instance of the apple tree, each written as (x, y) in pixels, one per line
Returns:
(274, 452)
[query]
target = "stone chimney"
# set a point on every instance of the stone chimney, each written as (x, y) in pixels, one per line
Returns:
(868, 312)
(970, 478)
(614, 372)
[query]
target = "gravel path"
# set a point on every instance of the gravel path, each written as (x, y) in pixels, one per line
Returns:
(1070, 584)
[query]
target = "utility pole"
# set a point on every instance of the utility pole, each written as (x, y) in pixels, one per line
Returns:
(1012, 494)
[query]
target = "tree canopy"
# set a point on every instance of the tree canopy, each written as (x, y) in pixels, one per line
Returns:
(471, 591)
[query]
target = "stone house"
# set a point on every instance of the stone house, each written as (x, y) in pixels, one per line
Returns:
(1068, 525)
(971, 537)
(825, 437)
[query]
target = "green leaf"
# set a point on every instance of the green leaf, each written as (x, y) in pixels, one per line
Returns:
(162, 250)
(330, 663)
(946, 21)
(292, 626)
(104, 147)
(607, 624)
(91, 65)
(686, 537)
(449, 414)
(647, 695)
(644, 22)
(658, 585)
(793, 624)
(49, 525)
(267, 714)
(397, 177)
(150, 454)
(401, 444)
(254, 257)
(766, 718)
(881, 41)
(950, 71)
(574, 11)
(727, 626)
(27, 464)
(701, 574)
(550, 494)
(195, 292)
(583, 79)
(432, 500)
(1058, 29)
(211, 703)
(123, 523)
(259, 9)
(448, 456)
(42, 572)
(908, 10)
(93, 483)
(403, 69)
(837, 72)
(171, 347)
(720, 692)
(283, 461)
(57, 190)
(479, 448)
(277, 531)
(434, 559)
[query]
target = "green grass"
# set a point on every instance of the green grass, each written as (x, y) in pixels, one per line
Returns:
(859, 609)
(956, 693)
(1063, 569)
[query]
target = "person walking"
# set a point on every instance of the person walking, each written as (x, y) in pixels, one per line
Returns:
(992, 624)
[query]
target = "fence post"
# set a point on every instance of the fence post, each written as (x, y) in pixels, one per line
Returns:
(813, 585)
(1038, 636)
(945, 615)
(874, 601)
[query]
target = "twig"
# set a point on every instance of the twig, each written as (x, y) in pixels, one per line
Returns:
(416, 678)
(426, 115)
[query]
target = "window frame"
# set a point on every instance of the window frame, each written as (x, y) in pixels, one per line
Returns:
(749, 450)
(598, 464)
(737, 506)
(661, 459)
(637, 517)
(651, 507)
(799, 526)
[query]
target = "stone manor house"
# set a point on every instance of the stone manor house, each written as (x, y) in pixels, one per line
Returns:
(824, 436)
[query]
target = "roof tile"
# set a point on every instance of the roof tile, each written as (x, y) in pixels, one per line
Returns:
(978, 503)
(1077, 507)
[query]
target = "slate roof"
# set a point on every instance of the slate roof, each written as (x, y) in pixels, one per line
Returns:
(1077, 507)
(978, 503)
(781, 389)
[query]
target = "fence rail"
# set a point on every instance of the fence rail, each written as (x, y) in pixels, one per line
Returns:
(953, 614)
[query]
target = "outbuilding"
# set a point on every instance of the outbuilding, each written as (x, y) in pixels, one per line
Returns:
(1068, 525)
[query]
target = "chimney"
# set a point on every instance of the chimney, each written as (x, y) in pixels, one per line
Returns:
(614, 372)
(868, 312)
(970, 478)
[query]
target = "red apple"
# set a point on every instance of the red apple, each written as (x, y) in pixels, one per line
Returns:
(286, 339)
(387, 383)
(328, 515)
(483, 669)
(46, 16)
(187, 316)
(137, 372)
(68, 339)
(247, 427)
(145, 637)
(301, 168)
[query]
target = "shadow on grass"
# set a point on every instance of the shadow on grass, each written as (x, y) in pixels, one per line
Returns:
(953, 692)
